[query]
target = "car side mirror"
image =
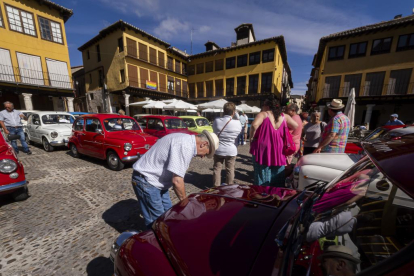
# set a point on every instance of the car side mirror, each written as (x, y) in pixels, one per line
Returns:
(383, 185)
(99, 131)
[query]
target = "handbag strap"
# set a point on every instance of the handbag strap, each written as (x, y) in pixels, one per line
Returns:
(224, 127)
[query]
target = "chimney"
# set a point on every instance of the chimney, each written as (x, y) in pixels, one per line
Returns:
(398, 16)
(245, 34)
(211, 46)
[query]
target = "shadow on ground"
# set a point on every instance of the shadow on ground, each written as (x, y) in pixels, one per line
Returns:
(201, 181)
(100, 266)
(98, 161)
(124, 215)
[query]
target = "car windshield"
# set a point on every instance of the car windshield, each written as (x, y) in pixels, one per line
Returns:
(120, 124)
(202, 122)
(174, 123)
(364, 213)
(56, 119)
(189, 122)
(376, 133)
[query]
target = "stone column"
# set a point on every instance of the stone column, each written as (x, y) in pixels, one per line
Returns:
(126, 96)
(28, 101)
(368, 114)
(70, 104)
(322, 111)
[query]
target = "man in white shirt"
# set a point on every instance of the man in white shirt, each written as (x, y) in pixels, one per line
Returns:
(242, 120)
(227, 130)
(165, 165)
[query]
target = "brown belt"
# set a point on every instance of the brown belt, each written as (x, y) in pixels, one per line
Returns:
(13, 127)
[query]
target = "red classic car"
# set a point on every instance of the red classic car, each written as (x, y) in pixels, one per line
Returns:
(258, 230)
(118, 139)
(355, 147)
(161, 125)
(12, 177)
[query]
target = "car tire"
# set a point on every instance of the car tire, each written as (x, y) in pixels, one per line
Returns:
(46, 145)
(28, 140)
(21, 194)
(114, 162)
(74, 151)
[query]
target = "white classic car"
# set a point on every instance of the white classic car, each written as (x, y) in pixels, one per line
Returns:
(49, 128)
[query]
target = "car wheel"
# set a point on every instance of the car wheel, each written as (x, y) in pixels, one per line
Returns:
(21, 194)
(47, 146)
(74, 151)
(114, 162)
(28, 140)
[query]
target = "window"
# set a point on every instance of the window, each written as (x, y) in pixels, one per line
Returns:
(200, 89)
(36, 119)
(91, 96)
(399, 82)
(50, 119)
(200, 68)
(170, 63)
(170, 85)
(352, 81)
(219, 64)
(266, 83)
(357, 50)
(209, 66)
(120, 124)
(331, 87)
(153, 55)
(184, 68)
(254, 58)
(161, 59)
(231, 63)
(230, 87)
(20, 21)
(98, 52)
(178, 66)
(253, 84)
(405, 42)
(78, 125)
(155, 124)
(50, 30)
(122, 75)
(268, 55)
(381, 46)
(336, 53)
(219, 88)
(191, 70)
(209, 89)
(191, 89)
(189, 122)
(143, 52)
(120, 45)
(88, 54)
(93, 125)
(241, 85)
(1, 19)
(242, 61)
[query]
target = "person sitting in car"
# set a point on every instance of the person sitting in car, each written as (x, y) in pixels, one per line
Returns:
(118, 124)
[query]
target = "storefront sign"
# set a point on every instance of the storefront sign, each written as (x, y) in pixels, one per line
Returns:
(151, 85)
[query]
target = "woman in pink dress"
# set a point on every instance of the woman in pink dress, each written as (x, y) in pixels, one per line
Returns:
(267, 134)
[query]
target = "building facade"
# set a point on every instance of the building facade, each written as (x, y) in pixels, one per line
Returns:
(377, 61)
(34, 57)
(124, 64)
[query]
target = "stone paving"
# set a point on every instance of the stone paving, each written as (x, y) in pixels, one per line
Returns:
(76, 210)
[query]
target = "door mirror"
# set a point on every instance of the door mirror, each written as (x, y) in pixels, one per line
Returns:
(99, 131)
(383, 185)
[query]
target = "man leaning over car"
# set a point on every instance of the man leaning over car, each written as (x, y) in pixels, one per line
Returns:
(165, 165)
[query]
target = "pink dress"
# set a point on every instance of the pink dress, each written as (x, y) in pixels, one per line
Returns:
(296, 134)
(267, 144)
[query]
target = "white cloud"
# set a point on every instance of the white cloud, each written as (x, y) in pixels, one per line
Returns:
(170, 27)
(299, 88)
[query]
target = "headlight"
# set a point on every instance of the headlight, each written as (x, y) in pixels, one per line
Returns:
(147, 146)
(118, 243)
(54, 134)
(7, 166)
(127, 147)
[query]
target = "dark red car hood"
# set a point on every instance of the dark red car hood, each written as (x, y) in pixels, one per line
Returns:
(201, 233)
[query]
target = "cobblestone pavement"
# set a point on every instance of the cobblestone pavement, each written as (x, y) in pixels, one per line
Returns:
(76, 210)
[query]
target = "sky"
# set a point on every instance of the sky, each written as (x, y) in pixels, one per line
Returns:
(301, 22)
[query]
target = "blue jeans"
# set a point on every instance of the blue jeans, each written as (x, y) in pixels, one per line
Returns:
(152, 201)
(240, 138)
(18, 131)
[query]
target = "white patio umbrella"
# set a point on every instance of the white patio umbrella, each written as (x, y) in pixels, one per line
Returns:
(212, 110)
(245, 108)
(180, 106)
(141, 103)
(169, 101)
(155, 104)
(255, 110)
(214, 104)
(350, 107)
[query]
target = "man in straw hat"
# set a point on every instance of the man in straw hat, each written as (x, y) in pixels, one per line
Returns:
(337, 260)
(335, 134)
(165, 165)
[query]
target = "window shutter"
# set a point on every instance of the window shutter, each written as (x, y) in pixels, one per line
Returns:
(161, 59)
(191, 90)
(154, 78)
(219, 88)
(6, 67)
(132, 75)
(169, 63)
(374, 84)
(209, 88)
(30, 69)
(58, 73)
(131, 48)
(153, 56)
(185, 89)
(200, 89)
(178, 66)
(143, 77)
(163, 83)
(177, 87)
(143, 52)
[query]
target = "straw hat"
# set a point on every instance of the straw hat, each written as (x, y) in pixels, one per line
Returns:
(213, 141)
(339, 251)
(336, 104)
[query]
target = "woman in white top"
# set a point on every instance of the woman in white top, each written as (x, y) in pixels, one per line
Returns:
(312, 132)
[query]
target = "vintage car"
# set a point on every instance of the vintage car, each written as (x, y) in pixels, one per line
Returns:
(327, 166)
(49, 128)
(12, 177)
(355, 147)
(161, 125)
(261, 230)
(197, 123)
(116, 138)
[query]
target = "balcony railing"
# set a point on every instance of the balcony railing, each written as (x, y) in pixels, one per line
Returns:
(138, 83)
(234, 92)
(371, 90)
(34, 77)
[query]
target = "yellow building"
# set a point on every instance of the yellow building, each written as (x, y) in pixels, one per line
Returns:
(247, 71)
(124, 64)
(377, 61)
(34, 57)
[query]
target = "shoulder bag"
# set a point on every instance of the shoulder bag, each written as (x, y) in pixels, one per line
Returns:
(218, 136)
(289, 147)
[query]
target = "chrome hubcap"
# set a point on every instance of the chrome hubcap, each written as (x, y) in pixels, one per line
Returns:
(74, 150)
(45, 145)
(113, 160)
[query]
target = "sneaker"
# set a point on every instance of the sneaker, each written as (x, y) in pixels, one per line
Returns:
(28, 152)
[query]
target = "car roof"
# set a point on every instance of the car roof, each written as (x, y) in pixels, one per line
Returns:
(392, 127)
(192, 117)
(162, 117)
(395, 159)
(105, 116)
(404, 130)
(40, 113)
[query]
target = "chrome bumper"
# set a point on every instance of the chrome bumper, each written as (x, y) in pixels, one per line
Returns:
(118, 243)
(13, 186)
(130, 158)
(63, 142)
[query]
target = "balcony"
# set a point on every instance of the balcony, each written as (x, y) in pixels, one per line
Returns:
(138, 83)
(391, 89)
(32, 77)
